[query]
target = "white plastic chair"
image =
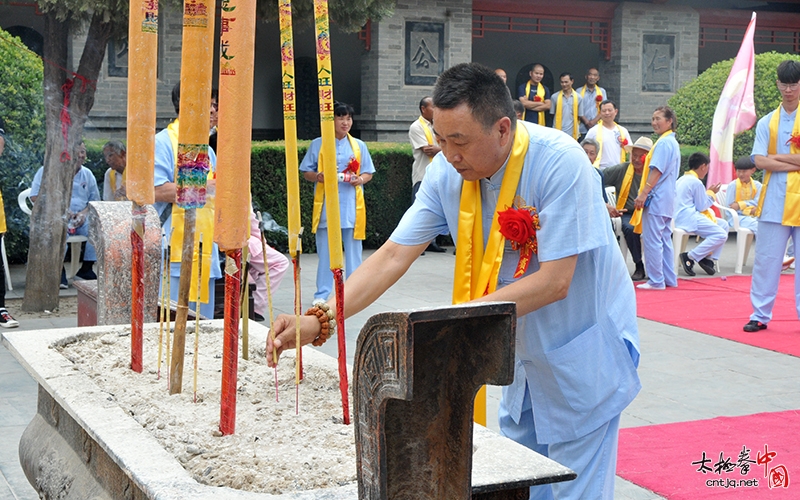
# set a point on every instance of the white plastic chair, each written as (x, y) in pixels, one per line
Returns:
(680, 238)
(74, 240)
(744, 236)
(616, 222)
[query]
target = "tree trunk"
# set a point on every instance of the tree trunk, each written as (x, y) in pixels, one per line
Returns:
(49, 217)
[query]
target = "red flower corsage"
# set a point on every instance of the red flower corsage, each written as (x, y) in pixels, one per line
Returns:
(794, 140)
(599, 98)
(519, 226)
(352, 166)
(536, 98)
(623, 141)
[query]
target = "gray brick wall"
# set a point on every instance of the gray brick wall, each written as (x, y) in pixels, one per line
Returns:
(624, 71)
(108, 116)
(388, 106)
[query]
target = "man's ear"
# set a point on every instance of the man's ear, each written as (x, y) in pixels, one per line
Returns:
(503, 127)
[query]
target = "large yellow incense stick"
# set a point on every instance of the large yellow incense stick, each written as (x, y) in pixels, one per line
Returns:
(232, 216)
(292, 175)
(142, 51)
(193, 158)
(142, 54)
(327, 155)
(327, 158)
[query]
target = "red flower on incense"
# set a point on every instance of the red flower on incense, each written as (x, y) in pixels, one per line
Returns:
(536, 98)
(794, 140)
(519, 226)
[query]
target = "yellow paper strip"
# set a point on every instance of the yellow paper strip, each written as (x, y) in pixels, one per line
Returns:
(328, 150)
(290, 125)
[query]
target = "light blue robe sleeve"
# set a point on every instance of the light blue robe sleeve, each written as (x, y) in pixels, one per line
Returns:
(761, 142)
(367, 167)
(311, 159)
(702, 201)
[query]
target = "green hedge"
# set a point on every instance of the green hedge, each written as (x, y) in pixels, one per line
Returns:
(696, 102)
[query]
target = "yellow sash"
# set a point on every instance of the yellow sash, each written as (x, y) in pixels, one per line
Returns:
(745, 192)
(600, 145)
(791, 203)
(3, 227)
(636, 218)
(428, 136)
(596, 102)
(706, 213)
(539, 93)
(204, 226)
(360, 231)
(113, 179)
(476, 271)
(558, 120)
(625, 189)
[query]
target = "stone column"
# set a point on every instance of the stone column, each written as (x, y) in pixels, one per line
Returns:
(389, 101)
(110, 232)
(654, 53)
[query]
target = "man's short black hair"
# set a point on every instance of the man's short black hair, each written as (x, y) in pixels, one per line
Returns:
(566, 73)
(424, 102)
(343, 109)
(176, 98)
(518, 107)
(697, 160)
(479, 88)
(609, 101)
(789, 71)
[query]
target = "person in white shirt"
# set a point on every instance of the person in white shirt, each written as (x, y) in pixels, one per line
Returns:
(420, 135)
(693, 214)
(610, 136)
(114, 179)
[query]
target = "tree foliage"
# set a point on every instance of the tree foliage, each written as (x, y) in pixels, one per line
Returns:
(696, 102)
(349, 15)
(21, 94)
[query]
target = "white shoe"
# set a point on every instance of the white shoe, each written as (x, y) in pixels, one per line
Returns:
(648, 286)
(6, 321)
(788, 263)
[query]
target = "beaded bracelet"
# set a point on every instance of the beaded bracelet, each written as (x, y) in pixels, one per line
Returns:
(325, 316)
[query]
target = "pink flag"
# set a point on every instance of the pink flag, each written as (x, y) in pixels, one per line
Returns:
(736, 111)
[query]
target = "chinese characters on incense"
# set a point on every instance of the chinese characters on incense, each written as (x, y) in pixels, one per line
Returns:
(232, 224)
(328, 161)
(292, 176)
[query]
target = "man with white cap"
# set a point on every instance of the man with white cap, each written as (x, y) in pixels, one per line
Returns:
(626, 178)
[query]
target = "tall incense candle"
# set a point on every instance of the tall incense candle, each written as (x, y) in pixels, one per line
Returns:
(142, 52)
(328, 160)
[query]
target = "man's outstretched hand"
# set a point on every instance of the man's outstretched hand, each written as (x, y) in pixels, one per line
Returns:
(285, 334)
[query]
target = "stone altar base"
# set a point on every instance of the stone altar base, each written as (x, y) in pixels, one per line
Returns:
(82, 446)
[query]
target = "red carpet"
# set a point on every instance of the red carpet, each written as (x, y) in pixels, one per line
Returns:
(721, 308)
(659, 457)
